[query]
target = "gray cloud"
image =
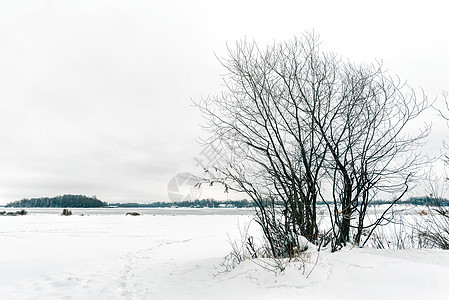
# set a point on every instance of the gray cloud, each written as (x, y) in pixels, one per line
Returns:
(95, 95)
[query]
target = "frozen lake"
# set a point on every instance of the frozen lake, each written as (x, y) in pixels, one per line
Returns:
(143, 211)
(164, 253)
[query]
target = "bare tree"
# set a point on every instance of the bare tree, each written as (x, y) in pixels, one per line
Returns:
(298, 122)
(371, 151)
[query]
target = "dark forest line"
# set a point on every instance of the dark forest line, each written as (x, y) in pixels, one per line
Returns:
(82, 201)
(59, 202)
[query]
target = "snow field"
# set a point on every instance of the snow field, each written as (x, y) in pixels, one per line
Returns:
(47, 256)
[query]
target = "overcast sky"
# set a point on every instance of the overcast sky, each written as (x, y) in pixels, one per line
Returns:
(96, 95)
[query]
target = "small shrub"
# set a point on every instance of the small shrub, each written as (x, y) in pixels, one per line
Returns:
(422, 213)
(66, 212)
(17, 213)
(133, 213)
(435, 230)
(298, 254)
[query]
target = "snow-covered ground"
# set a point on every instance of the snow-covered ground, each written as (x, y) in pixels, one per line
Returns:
(178, 256)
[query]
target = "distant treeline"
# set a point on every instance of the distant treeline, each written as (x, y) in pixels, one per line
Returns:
(59, 201)
(245, 203)
(86, 202)
(196, 203)
(426, 200)
(423, 200)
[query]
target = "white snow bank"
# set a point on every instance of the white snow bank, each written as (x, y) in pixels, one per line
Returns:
(178, 257)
